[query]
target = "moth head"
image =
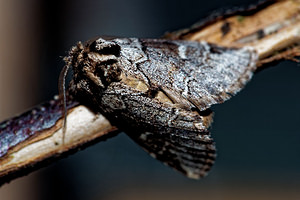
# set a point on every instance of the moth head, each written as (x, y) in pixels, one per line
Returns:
(95, 63)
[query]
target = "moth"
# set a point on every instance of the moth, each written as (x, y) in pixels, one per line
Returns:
(160, 92)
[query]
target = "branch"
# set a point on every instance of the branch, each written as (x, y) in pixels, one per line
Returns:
(36, 147)
(271, 29)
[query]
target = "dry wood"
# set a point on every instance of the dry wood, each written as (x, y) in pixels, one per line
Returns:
(270, 31)
(83, 126)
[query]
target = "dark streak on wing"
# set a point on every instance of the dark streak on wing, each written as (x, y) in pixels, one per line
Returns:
(18, 129)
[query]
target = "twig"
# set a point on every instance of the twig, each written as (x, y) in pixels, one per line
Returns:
(83, 127)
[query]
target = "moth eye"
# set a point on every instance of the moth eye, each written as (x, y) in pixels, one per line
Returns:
(105, 47)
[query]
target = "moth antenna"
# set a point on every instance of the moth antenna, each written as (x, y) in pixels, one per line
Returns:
(62, 96)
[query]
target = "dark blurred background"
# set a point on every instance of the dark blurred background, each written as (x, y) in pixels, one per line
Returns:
(256, 132)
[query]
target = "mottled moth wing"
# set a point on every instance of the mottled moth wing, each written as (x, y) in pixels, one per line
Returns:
(194, 73)
(177, 137)
(193, 155)
(159, 92)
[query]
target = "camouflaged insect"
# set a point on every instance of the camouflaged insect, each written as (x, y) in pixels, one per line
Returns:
(160, 91)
